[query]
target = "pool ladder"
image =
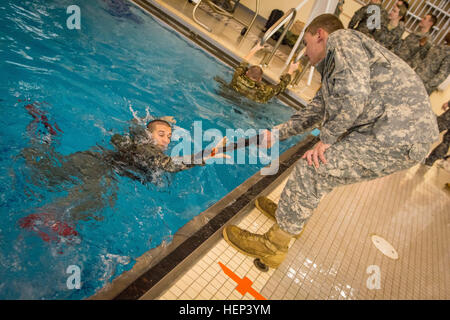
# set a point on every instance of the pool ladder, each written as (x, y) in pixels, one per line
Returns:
(219, 10)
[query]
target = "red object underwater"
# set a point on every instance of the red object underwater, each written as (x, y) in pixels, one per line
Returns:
(48, 228)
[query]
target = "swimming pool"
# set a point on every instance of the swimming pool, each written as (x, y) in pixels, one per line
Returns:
(83, 83)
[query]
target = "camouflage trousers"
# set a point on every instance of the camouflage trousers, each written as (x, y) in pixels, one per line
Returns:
(358, 157)
(441, 150)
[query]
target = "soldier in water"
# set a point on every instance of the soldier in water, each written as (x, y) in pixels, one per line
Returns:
(247, 80)
(137, 155)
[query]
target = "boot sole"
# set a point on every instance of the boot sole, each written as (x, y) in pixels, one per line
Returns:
(262, 259)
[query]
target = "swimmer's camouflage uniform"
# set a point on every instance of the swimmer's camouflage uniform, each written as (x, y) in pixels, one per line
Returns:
(360, 19)
(435, 68)
(390, 37)
(257, 91)
(138, 153)
(374, 112)
(441, 150)
(92, 171)
(411, 47)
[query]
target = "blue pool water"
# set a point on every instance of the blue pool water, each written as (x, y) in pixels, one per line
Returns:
(84, 82)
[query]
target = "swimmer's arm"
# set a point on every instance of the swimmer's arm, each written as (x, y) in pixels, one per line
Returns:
(176, 164)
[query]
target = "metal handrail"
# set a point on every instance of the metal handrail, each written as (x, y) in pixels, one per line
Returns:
(291, 15)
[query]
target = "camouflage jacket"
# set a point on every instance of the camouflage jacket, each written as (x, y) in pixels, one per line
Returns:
(257, 91)
(361, 17)
(435, 68)
(390, 37)
(410, 47)
(368, 89)
(136, 152)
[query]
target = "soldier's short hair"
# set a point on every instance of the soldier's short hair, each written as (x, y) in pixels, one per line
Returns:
(152, 124)
(402, 11)
(255, 72)
(328, 22)
(405, 3)
(433, 18)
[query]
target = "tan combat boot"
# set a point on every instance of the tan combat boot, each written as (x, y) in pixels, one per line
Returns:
(268, 208)
(271, 248)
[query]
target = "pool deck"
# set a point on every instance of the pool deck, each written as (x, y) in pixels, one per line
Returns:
(335, 257)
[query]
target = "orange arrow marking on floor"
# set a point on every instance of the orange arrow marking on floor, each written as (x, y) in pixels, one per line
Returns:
(244, 284)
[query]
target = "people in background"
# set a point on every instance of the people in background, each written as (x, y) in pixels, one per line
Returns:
(418, 42)
(435, 67)
(360, 20)
(390, 35)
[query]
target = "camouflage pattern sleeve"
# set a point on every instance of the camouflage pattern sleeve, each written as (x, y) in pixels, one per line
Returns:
(347, 86)
(306, 119)
(151, 156)
(176, 164)
(440, 76)
(241, 69)
(285, 79)
(357, 17)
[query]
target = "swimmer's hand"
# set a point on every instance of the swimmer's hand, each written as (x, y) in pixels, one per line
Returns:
(267, 139)
(217, 151)
(293, 67)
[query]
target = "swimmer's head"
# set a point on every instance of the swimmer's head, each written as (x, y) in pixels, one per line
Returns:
(161, 132)
(255, 73)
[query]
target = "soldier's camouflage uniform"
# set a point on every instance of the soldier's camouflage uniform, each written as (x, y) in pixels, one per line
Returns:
(361, 17)
(435, 68)
(374, 112)
(92, 172)
(257, 91)
(441, 150)
(390, 37)
(410, 47)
